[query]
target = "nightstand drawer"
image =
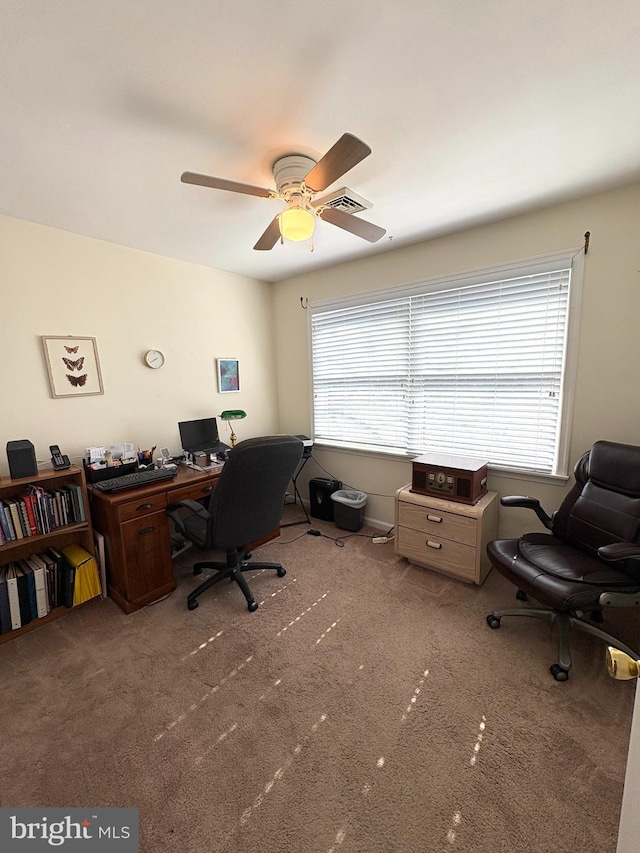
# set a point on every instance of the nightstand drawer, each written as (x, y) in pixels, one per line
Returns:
(443, 525)
(438, 553)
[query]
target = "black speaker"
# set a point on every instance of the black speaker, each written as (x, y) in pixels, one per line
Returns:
(22, 459)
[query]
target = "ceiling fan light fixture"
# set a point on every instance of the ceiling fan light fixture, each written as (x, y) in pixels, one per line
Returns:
(296, 224)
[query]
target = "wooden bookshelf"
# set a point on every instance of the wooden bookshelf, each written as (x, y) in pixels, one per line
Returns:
(60, 537)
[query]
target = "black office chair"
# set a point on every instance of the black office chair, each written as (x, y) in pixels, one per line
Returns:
(246, 505)
(591, 558)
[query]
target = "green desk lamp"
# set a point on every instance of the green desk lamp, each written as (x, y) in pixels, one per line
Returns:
(233, 415)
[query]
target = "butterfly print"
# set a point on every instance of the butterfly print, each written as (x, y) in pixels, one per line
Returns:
(71, 349)
(74, 365)
(77, 380)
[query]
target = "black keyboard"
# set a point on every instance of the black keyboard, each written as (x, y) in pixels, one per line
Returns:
(138, 478)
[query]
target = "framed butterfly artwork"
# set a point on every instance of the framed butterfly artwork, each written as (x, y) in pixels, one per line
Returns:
(73, 365)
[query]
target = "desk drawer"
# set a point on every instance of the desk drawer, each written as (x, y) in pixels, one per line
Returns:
(443, 525)
(141, 506)
(435, 552)
(190, 493)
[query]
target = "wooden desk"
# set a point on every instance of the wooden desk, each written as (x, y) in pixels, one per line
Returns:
(137, 535)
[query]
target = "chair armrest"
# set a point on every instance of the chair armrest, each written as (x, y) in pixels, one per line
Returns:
(195, 507)
(619, 599)
(528, 503)
(619, 551)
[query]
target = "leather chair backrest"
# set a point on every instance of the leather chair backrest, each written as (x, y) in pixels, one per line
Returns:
(604, 504)
(247, 501)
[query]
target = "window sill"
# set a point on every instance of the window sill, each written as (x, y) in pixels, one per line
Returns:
(398, 456)
(533, 476)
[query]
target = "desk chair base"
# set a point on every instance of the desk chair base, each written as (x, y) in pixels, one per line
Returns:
(564, 621)
(234, 567)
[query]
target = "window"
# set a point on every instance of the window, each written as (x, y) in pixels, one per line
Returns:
(474, 366)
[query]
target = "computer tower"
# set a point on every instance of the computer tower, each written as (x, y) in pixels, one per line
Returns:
(320, 491)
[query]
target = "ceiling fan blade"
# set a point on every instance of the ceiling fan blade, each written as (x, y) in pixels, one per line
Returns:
(344, 155)
(222, 184)
(270, 236)
(359, 227)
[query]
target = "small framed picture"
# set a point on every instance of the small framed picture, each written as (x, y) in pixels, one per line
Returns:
(228, 375)
(73, 366)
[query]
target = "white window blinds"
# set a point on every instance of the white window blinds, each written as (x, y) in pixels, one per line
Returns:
(474, 370)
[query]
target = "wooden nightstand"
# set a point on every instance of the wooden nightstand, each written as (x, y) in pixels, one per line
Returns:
(446, 536)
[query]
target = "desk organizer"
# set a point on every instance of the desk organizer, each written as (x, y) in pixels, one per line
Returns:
(108, 473)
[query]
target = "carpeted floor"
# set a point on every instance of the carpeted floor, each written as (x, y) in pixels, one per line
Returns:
(366, 707)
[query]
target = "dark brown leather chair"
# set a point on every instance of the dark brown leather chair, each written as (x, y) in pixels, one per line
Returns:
(591, 558)
(245, 506)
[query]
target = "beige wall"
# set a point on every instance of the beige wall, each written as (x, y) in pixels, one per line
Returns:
(57, 283)
(607, 398)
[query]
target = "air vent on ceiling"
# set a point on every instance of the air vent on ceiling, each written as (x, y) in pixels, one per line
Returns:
(344, 199)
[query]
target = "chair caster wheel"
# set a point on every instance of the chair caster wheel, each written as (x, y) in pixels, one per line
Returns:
(252, 605)
(192, 604)
(559, 672)
(281, 572)
(197, 570)
(521, 595)
(493, 621)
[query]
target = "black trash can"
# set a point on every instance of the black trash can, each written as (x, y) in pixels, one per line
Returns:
(349, 508)
(320, 491)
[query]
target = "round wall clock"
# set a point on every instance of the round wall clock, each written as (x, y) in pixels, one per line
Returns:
(154, 358)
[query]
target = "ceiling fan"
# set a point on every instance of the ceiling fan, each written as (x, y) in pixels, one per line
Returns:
(298, 181)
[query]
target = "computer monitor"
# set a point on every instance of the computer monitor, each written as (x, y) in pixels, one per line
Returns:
(200, 436)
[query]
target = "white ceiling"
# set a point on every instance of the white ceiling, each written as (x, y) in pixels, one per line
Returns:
(473, 110)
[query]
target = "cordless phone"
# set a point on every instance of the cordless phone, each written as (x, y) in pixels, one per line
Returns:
(58, 460)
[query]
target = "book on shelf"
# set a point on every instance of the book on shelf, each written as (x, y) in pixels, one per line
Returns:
(38, 511)
(28, 501)
(62, 499)
(5, 612)
(27, 570)
(66, 577)
(12, 591)
(24, 518)
(51, 575)
(77, 500)
(23, 594)
(7, 526)
(53, 508)
(60, 583)
(15, 517)
(38, 567)
(40, 507)
(3, 524)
